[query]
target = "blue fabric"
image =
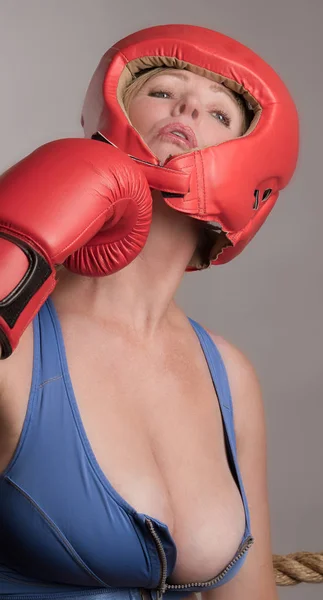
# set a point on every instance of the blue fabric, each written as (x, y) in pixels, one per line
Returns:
(65, 532)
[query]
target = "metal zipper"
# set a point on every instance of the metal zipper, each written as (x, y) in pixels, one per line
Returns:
(162, 556)
(244, 547)
(163, 586)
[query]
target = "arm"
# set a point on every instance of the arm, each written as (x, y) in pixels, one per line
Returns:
(255, 580)
(75, 202)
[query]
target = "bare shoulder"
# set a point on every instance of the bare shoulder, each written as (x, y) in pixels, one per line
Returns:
(244, 386)
(237, 363)
(11, 365)
(15, 374)
(15, 381)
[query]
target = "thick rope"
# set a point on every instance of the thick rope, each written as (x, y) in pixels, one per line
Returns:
(300, 567)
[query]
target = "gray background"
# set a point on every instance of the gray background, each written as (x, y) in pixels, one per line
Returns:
(268, 301)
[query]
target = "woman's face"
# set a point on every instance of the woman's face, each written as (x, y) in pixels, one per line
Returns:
(175, 111)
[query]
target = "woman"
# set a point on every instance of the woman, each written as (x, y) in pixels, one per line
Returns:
(130, 478)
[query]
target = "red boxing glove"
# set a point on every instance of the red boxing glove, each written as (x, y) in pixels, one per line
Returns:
(73, 201)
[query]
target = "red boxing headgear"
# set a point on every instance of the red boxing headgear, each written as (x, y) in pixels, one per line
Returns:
(235, 183)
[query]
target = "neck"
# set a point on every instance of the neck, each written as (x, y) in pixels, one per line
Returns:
(141, 296)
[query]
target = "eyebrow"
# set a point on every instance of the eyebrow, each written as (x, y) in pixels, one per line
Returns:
(215, 87)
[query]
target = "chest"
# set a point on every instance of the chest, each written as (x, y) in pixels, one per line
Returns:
(154, 425)
(153, 421)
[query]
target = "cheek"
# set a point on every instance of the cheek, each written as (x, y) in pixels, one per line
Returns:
(215, 133)
(142, 115)
(135, 115)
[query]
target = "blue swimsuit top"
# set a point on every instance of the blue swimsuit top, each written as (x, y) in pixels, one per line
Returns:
(63, 528)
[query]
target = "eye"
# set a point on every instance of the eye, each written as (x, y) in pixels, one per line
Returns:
(222, 116)
(160, 94)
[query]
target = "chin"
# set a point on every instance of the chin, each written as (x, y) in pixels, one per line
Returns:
(167, 151)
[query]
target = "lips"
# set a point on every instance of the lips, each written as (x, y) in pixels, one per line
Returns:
(179, 134)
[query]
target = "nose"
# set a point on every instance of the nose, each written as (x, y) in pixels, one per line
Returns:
(188, 106)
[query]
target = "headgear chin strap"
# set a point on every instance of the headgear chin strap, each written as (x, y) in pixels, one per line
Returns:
(234, 184)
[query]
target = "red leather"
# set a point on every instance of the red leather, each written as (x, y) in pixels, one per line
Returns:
(216, 183)
(72, 201)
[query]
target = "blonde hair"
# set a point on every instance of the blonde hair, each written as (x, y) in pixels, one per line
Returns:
(136, 84)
